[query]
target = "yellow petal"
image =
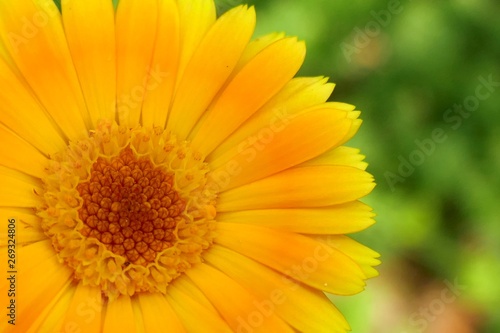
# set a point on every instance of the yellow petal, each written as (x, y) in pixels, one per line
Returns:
(315, 186)
(186, 286)
(297, 95)
(196, 18)
(340, 156)
(158, 314)
(355, 125)
(283, 144)
(35, 38)
(297, 256)
(161, 81)
(136, 25)
(20, 155)
(340, 219)
(256, 83)
(255, 46)
(28, 229)
(195, 317)
(85, 310)
(34, 126)
(365, 257)
(234, 303)
(90, 32)
(210, 66)
(33, 295)
(119, 316)
(18, 189)
(50, 319)
(304, 308)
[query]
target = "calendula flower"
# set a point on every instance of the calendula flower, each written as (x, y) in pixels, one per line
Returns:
(163, 173)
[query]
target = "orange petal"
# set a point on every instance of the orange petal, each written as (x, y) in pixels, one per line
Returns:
(33, 33)
(161, 82)
(297, 256)
(339, 156)
(158, 314)
(90, 30)
(339, 219)
(20, 155)
(209, 67)
(315, 186)
(85, 310)
(35, 126)
(234, 303)
(119, 316)
(256, 83)
(196, 317)
(282, 144)
(304, 308)
(136, 25)
(18, 189)
(299, 94)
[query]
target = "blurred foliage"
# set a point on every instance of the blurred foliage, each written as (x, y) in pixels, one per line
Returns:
(421, 59)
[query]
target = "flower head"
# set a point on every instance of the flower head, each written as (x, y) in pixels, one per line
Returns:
(166, 173)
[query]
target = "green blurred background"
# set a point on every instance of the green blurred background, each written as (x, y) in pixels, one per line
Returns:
(410, 66)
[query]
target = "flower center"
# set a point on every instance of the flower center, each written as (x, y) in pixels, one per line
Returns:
(130, 206)
(128, 210)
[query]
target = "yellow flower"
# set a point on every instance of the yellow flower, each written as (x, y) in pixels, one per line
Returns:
(162, 173)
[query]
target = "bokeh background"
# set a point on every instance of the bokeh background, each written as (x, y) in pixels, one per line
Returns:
(431, 133)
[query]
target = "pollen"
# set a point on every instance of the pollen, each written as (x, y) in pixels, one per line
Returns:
(130, 206)
(129, 210)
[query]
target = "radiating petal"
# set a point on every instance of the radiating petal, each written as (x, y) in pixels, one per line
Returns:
(304, 308)
(365, 257)
(85, 311)
(18, 189)
(119, 316)
(297, 95)
(33, 295)
(315, 186)
(256, 83)
(90, 32)
(51, 319)
(297, 256)
(186, 286)
(19, 155)
(280, 146)
(196, 18)
(136, 28)
(255, 46)
(234, 303)
(161, 81)
(158, 314)
(33, 33)
(195, 317)
(35, 126)
(209, 67)
(339, 156)
(28, 228)
(339, 219)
